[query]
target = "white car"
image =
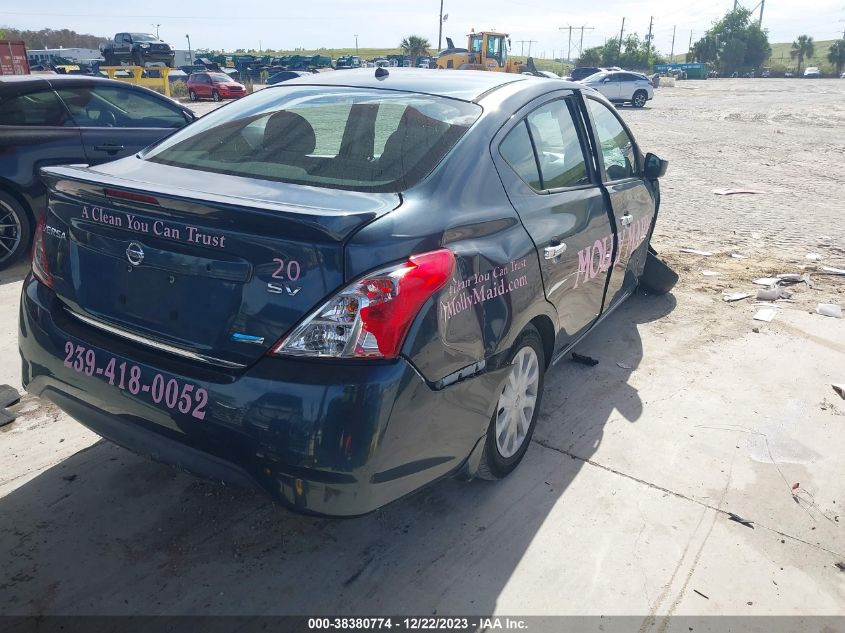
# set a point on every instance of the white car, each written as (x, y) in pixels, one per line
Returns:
(622, 86)
(812, 72)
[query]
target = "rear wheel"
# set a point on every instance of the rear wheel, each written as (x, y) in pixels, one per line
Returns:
(640, 98)
(192, 95)
(215, 95)
(15, 230)
(516, 411)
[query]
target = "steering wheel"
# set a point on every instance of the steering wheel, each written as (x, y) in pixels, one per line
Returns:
(106, 119)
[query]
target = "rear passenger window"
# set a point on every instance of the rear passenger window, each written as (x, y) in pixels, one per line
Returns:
(617, 148)
(37, 109)
(559, 156)
(516, 149)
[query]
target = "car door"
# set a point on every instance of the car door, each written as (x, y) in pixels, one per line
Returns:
(631, 196)
(119, 120)
(203, 88)
(551, 180)
(37, 131)
(610, 86)
(122, 45)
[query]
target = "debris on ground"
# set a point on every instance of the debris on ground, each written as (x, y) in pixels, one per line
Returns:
(69, 477)
(731, 192)
(739, 256)
(829, 309)
(739, 519)
(833, 271)
(806, 279)
(840, 389)
(765, 314)
(6, 417)
(624, 366)
(710, 273)
(584, 360)
(790, 278)
(766, 281)
(795, 486)
(840, 566)
(694, 251)
(735, 296)
(813, 257)
(701, 594)
(8, 396)
(773, 294)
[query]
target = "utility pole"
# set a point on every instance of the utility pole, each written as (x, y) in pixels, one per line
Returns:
(522, 47)
(581, 45)
(672, 54)
(569, 49)
(529, 46)
(762, 6)
(157, 25)
(621, 32)
(650, 27)
(440, 28)
(356, 45)
(689, 50)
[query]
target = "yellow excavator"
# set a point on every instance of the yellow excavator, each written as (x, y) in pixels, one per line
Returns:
(486, 50)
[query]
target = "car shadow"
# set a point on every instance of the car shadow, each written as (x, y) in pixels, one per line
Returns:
(106, 532)
(14, 273)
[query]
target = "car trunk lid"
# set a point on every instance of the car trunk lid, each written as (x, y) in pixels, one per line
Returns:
(170, 255)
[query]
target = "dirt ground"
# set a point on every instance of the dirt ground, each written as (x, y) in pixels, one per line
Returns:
(623, 503)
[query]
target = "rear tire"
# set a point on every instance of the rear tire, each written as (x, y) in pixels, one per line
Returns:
(517, 408)
(639, 99)
(657, 277)
(215, 96)
(15, 230)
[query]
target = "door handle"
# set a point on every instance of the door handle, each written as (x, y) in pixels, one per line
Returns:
(110, 149)
(553, 251)
(626, 220)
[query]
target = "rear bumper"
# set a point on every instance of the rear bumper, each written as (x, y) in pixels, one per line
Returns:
(325, 438)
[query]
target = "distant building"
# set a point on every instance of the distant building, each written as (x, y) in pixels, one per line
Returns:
(45, 55)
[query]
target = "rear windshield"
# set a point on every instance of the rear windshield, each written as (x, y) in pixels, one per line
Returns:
(336, 137)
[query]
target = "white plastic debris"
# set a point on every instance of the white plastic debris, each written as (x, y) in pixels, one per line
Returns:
(813, 257)
(735, 296)
(829, 309)
(710, 273)
(730, 192)
(765, 314)
(694, 251)
(766, 281)
(739, 256)
(624, 366)
(790, 277)
(833, 271)
(840, 389)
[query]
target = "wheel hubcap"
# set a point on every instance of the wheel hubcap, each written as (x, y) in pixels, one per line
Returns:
(10, 231)
(517, 402)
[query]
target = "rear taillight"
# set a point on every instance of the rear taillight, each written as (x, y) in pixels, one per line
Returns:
(370, 318)
(40, 265)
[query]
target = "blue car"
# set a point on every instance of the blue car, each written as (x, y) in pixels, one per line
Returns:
(344, 288)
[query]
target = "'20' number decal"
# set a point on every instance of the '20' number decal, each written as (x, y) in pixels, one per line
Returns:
(289, 272)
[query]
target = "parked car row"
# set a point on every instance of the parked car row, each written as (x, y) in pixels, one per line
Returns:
(296, 292)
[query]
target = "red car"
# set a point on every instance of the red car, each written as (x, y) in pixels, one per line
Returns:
(214, 86)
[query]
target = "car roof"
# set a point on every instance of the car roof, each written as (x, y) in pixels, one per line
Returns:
(468, 85)
(52, 78)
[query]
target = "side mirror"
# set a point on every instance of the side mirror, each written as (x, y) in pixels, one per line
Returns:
(655, 167)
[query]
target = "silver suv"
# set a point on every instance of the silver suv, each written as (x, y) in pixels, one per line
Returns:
(622, 86)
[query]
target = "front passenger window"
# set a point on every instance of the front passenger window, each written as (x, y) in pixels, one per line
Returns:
(617, 148)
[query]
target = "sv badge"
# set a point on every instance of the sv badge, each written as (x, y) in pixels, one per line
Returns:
(280, 289)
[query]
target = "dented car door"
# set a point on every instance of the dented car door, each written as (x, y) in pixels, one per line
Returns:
(551, 180)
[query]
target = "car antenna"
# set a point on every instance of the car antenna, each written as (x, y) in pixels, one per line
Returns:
(381, 72)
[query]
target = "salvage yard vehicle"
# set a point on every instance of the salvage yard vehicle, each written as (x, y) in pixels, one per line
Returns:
(622, 87)
(138, 49)
(62, 119)
(344, 287)
(214, 86)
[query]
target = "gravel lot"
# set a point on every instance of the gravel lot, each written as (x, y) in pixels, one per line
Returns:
(622, 504)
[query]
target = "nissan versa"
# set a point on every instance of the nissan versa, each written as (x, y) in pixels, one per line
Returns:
(344, 287)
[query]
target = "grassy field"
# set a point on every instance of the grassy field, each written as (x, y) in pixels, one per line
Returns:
(780, 59)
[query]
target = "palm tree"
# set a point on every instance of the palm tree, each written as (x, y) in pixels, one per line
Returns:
(836, 55)
(415, 46)
(802, 48)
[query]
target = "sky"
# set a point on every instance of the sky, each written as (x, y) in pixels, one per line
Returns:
(380, 23)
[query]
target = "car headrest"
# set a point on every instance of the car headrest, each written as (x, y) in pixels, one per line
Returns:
(289, 132)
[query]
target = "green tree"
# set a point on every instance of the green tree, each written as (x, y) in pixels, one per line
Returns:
(802, 48)
(836, 55)
(591, 57)
(415, 46)
(734, 43)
